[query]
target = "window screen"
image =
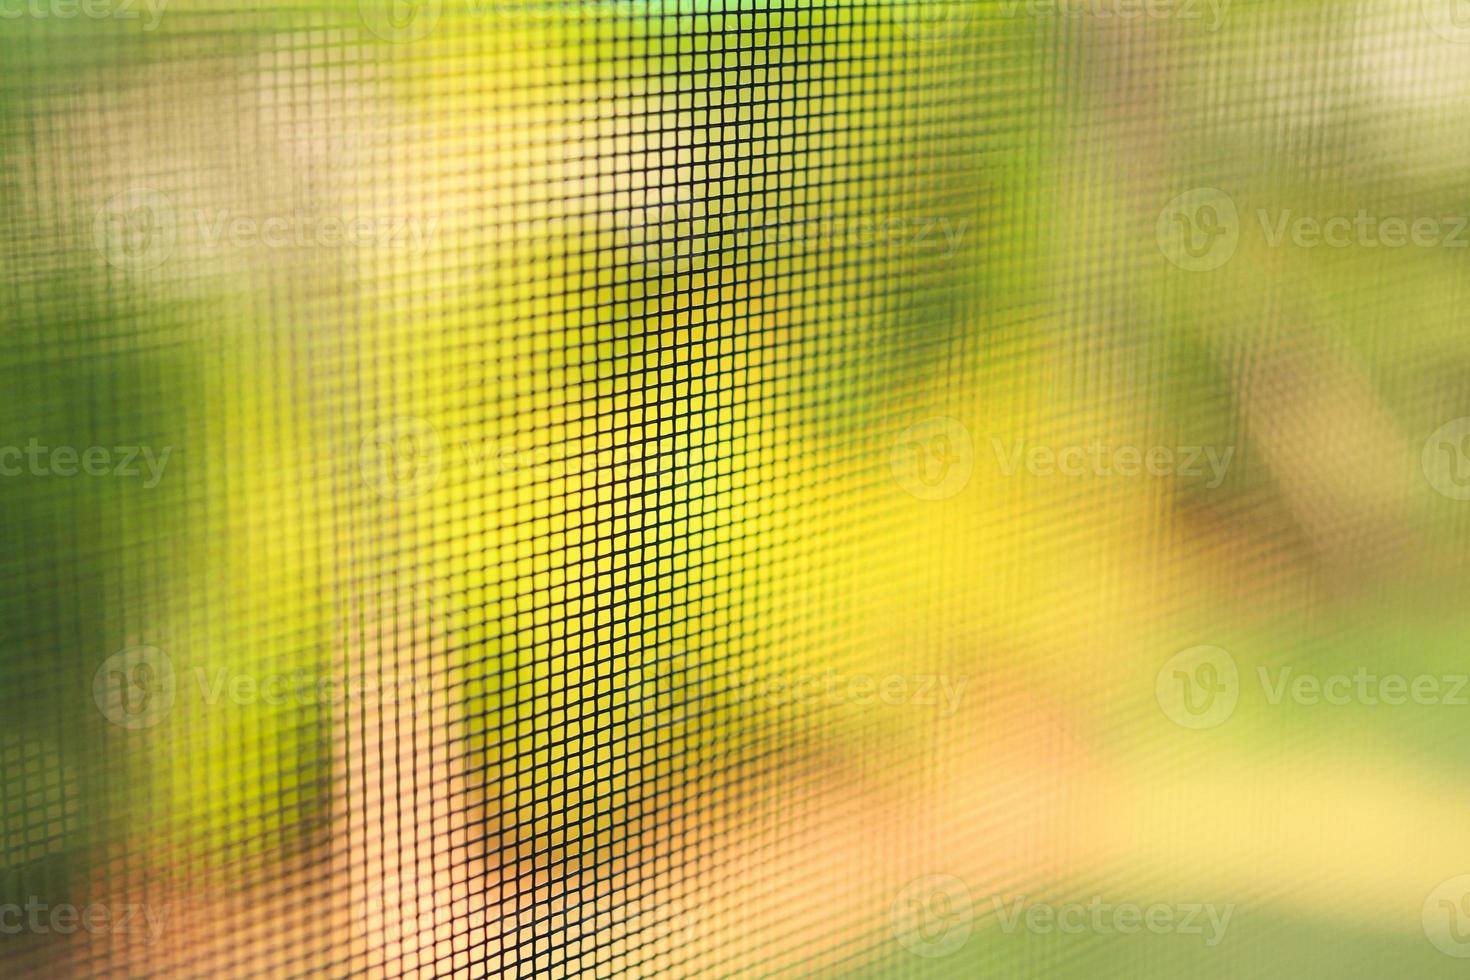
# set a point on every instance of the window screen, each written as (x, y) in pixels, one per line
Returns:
(673, 488)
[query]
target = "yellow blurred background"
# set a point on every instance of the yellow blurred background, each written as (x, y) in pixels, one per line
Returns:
(738, 489)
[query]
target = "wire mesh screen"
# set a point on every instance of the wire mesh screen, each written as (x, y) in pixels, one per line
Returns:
(692, 488)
